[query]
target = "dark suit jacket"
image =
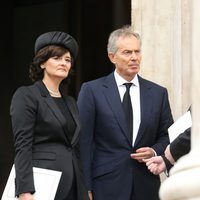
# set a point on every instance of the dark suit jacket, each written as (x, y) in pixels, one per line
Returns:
(41, 140)
(105, 144)
(181, 145)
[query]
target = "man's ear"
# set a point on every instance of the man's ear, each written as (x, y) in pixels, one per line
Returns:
(111, 57)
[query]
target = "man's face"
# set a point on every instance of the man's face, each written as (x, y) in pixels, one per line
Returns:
(127, 58)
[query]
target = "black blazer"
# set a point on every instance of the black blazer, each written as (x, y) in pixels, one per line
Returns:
(178, 148)
(41, 140)
(181, 145)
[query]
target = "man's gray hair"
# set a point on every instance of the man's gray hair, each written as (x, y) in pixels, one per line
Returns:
(125, 31)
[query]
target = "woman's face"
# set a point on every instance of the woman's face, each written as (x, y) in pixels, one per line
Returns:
(57, 67)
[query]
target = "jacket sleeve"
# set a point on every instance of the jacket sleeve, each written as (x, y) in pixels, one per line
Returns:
(22, 111)
(181, 145)
(87, 115)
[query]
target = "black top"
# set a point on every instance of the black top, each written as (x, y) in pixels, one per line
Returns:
(70, 124)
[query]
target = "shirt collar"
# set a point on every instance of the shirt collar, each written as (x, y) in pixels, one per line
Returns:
(120, 81)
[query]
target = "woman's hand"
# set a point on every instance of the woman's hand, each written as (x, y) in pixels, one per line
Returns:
(26, 196)
(90, 195)
(156, 165)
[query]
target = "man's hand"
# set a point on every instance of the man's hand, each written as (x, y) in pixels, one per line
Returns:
(143, 153)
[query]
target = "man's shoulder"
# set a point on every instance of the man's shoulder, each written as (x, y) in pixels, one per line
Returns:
(150, 83)
(99, 80)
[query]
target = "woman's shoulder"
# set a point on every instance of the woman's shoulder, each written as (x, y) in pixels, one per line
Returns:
(23, 90)
(24, 94)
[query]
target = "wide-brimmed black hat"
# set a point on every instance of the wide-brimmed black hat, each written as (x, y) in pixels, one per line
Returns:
(57, 38)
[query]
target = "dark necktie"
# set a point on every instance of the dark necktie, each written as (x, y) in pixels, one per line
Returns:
(128, 108)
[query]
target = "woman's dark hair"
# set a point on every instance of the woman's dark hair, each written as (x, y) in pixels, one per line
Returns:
(36, 72)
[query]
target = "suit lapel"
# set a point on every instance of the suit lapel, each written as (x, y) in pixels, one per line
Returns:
(75, 117)
(112, 95)
(146, 105)
(53, 107)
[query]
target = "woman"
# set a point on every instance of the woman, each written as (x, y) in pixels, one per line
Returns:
(45, 120)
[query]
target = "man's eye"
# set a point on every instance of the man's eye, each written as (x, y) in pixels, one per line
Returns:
(137, 51)
(127, 52)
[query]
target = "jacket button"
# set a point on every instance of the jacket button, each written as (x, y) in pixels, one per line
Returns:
(69, 148)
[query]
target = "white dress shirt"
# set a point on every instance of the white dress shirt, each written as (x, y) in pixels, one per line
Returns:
(135, 100)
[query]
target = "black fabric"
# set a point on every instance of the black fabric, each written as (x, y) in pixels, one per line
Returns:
(73, 191)
(181, 145)
(57, 38)
(127, 106)
(49, 136)
(167, 164)
(70, 124)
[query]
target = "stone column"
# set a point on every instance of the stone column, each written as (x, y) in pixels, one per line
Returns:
(170, 32)
(164, 29)
(184, 180)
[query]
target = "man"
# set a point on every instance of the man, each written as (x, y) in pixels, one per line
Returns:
(112, 157)
(179, 147)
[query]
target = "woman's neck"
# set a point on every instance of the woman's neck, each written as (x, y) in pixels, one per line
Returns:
(52, 87)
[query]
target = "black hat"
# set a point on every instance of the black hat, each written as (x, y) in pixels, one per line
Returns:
(57, 38)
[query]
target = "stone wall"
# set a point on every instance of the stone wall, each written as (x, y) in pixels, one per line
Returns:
(165, 31)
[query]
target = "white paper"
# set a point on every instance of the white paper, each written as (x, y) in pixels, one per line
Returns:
(180, 125)
(46, 183)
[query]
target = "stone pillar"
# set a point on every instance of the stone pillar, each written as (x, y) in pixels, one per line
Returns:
(170, 32)
(184, 180)
(164, 29)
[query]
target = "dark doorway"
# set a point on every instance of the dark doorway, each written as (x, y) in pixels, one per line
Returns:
(89, 21)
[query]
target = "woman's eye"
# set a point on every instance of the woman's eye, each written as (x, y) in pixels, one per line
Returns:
(68, 60)
(55, 57)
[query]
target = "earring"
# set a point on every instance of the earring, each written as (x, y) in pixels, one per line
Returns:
(42, 66)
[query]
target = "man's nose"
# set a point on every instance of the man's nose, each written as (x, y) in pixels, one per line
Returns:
(133, 56)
